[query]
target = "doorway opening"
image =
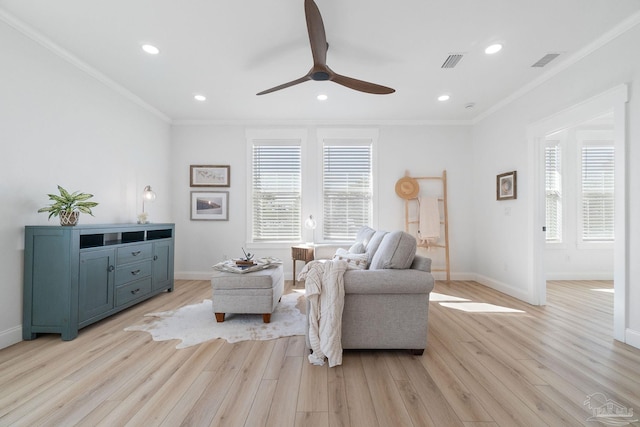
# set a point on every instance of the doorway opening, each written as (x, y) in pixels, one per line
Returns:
(610, 105)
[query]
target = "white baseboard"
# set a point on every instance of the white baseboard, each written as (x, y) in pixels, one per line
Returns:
(193, 275)
(579, 275)
(632, 338)
(10, 336)
(520, 294)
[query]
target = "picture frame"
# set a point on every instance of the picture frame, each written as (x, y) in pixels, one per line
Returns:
(210, 205)
(507, 186)
(210, 175)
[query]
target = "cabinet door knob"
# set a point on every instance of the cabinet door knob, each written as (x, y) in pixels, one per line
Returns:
(155, 257)
(135, 272)
(135, 253)
(111, 268)
(135, 291)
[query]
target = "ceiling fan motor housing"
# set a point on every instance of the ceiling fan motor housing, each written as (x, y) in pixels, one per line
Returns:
(320, 75)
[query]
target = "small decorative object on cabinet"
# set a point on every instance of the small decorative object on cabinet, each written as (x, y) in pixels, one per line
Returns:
(75, 276)
(69, 205)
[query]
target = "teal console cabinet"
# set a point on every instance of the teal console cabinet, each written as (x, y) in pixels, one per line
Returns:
(75, 276)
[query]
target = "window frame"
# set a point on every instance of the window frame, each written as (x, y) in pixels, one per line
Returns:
(311, 177)
(352, 136)
(276, 137)
(340, 193)
(596, 138)
(559, 140)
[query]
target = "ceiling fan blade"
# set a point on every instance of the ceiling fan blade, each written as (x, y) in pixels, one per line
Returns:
(285, 85)
(361, 85)
(317, 36)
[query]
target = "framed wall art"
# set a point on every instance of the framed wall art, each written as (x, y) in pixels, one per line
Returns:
(210, 205)
(507, 186)
(210, 175)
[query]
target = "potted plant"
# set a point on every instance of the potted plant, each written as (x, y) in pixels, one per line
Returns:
(69, 205)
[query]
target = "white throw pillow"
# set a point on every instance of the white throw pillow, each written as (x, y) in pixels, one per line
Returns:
(354, 261)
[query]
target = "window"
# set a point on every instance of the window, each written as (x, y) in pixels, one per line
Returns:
(276, 191)
(291, 178)
(553, 189)
(346, 188)
(596, 208)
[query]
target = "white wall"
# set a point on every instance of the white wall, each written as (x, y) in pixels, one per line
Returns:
(423, 150)
(503, 238)
(58, 125)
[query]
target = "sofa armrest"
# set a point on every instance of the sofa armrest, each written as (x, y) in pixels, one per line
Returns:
(408, 281)
(421, 263)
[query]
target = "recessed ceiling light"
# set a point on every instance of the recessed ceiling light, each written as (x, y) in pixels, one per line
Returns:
(443, 98)
(322, 97)
(200, 98)
(494, 48)
(150, 49)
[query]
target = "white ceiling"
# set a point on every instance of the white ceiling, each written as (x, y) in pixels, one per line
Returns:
(230, 50)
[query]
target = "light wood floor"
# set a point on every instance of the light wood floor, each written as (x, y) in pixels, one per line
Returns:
(486, 366)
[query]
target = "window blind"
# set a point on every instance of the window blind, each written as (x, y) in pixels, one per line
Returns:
(553, 188)
(347, 189)
(276, 192)
(597, 201)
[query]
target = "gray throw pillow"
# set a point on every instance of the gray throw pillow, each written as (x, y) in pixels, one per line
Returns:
(357, 248)
(396, 250)
(364, 235)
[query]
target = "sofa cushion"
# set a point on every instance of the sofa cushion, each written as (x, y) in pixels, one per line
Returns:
(364, 235)
(396, 250)
(357, 248)
(373, 244)
(354, 261)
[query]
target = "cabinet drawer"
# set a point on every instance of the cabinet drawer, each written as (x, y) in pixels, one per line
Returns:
(133, 253)
(130, 272)
(132, 291)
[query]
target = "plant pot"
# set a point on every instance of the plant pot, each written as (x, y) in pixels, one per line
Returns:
(69, 218)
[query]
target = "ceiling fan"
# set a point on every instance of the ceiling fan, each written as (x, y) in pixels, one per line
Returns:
(320, 71)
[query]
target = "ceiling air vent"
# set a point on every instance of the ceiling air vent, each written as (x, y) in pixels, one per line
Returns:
(545, 60)
(452, 60)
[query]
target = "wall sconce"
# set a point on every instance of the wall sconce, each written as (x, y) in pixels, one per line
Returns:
(311, 224)
(147, 196)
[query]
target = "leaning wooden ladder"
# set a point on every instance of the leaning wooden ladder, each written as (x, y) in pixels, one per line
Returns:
(444, 220)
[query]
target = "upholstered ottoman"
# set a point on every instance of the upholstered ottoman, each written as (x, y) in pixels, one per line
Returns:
(257, 292)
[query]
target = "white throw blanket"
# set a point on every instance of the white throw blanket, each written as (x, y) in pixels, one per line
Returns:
(324, 287)
(429, 221)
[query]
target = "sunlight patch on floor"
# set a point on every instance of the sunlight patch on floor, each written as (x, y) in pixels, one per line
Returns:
(434, 296)
(608, 290)
(479, 307)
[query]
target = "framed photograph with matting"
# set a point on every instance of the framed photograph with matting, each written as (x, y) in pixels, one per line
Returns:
(210, 175)
(507, 186)
(210, 205)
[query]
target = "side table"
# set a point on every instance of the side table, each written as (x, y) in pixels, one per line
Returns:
(300, 253)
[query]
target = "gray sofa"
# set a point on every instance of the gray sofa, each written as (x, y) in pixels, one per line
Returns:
(386, 303)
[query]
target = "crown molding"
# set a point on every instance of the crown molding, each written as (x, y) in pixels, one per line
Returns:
(297, 122)
(601, 41)
(48, 44)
